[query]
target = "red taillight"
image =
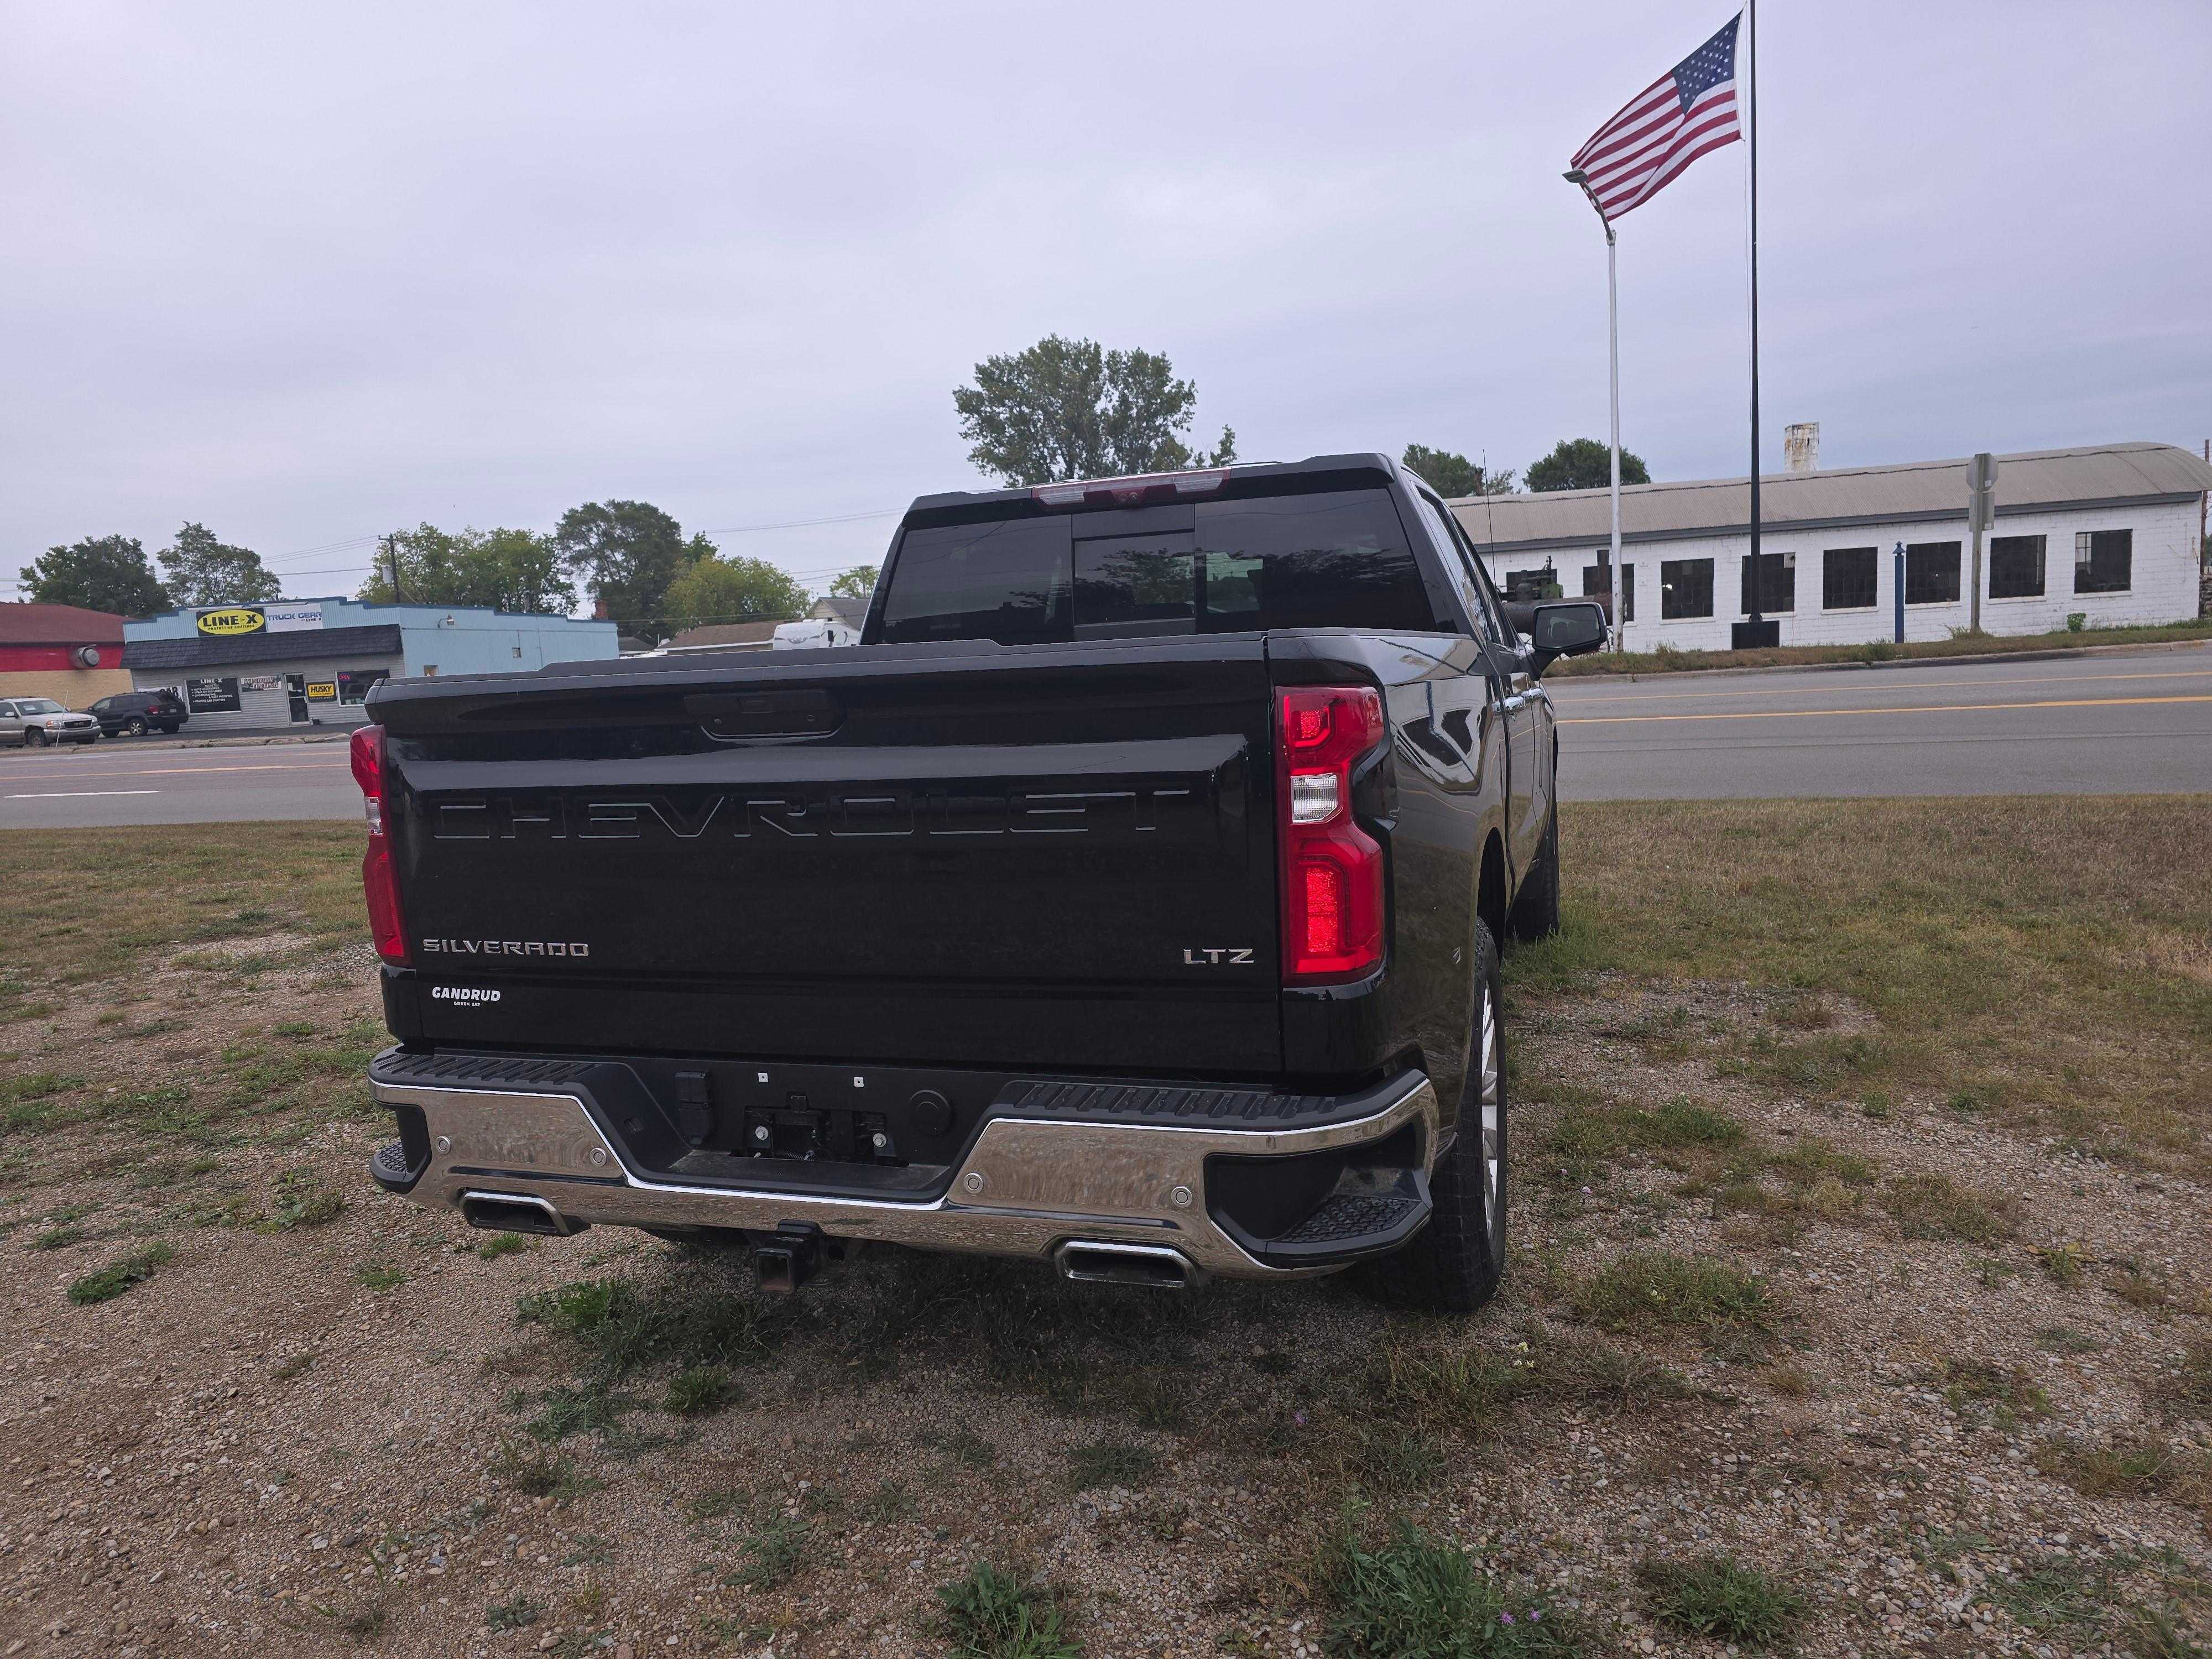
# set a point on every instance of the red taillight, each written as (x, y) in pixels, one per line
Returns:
(379, 883)
(1332, 869)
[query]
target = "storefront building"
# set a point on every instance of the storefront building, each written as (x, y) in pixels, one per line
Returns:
(2102, 535)
(299, 662)
(63, 652)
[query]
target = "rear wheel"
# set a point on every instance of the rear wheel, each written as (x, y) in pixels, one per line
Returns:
(1454, 1265)
(1536, 907)
(135, 726)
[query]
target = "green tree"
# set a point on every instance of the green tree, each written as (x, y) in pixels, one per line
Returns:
(716, 589)
(513, 570)
(627, 553)
(1452, 476)
(1584, 463)
(1068, 409)
(201, 570)
(858, 583)
(101, 572)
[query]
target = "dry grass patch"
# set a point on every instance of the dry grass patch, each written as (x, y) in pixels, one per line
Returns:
(2003, 961)
(98, 915)
(1937, 1207)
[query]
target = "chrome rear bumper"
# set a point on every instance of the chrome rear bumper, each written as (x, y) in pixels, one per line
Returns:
(1026, 1188)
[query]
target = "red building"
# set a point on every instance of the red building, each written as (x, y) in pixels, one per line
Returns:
(61, 651)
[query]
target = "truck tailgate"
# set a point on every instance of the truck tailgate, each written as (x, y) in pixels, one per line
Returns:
(849, 853)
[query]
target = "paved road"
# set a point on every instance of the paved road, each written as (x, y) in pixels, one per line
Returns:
(2115, 724)
(124, 783)
(2096, 725)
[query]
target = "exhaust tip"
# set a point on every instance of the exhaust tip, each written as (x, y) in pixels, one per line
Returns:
(517, 1212)
(1088, 1261)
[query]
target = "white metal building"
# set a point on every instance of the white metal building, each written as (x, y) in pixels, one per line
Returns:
(2110, 532)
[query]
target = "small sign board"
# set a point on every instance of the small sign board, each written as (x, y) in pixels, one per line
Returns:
(217, 696)
(322, 691)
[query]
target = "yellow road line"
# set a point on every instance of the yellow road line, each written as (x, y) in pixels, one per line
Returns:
(1925, 709)
(1915, 685)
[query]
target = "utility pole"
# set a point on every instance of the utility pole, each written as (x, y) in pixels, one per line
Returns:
(1981, 515)
(391, 559)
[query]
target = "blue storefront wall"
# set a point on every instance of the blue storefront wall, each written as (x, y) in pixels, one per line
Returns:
(338, 643)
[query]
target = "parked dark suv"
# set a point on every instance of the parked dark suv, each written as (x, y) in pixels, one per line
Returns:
(138, 712)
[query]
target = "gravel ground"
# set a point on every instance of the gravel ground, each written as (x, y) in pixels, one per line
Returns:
(314, 1437)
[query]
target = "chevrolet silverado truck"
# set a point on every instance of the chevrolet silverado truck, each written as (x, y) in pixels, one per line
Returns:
(1129, 898)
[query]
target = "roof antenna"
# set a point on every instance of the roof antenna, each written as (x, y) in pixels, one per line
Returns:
(1489, 513)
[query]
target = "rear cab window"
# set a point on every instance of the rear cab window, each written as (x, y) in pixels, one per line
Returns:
(1331, 556)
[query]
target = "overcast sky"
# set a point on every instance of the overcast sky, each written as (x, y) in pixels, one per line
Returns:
(309, 273)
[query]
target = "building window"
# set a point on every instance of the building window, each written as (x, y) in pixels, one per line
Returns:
(1777, 584)
(2103, 561)
(1931, 573)
(1686, 588)
(2016, 567)
(1847, 578)
(1593, 587)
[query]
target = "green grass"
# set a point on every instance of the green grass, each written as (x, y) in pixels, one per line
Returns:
(538, 1471)
(1657, 1293)
(103, 914)
(1936, 1206)
(773, 1554)
(991, 1615)
(107, 1283)
(1415, 1598)
(2044, 955)
(516, 1615)
(622, 1325)
(1110, 1463)
(1458, 1388)
(1718, 1598)
(379, 1276)
(500, 1245)
(1587, 1135)
(699, 1391)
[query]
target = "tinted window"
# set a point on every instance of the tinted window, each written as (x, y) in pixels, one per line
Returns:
(1775, 589)
(1686, 588)
(1006, 581)
(2016, 567)
(1847, 578)
(1336, 560)
(1931, 573)
(1333, 559)
(1594, 586)
(2103, 561)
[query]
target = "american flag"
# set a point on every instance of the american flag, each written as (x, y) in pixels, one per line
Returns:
(1689, 110)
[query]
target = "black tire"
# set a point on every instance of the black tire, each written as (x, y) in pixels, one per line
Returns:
(135, 726)
(1536, 907)
(1453, 1264)
(37, 737)
(170, 730)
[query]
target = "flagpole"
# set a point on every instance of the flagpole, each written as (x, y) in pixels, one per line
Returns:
(1612, 339)
(1618, 585)
(1758, 571)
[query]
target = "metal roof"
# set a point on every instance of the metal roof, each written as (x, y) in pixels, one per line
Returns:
(32, 623)
(2032, 482)
(379, 639)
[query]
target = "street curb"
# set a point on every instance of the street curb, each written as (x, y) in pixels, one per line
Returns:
(1895, 662)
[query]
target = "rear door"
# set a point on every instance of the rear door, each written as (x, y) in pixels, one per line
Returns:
(952, 848)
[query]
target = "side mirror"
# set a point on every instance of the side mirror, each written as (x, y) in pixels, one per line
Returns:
(1571, 627)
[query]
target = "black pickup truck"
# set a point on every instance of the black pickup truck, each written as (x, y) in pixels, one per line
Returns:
(1130, 898)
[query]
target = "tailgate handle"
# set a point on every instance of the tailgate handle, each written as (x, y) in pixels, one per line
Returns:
(740, 715)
